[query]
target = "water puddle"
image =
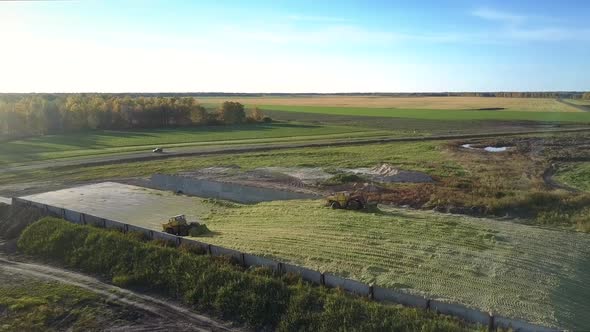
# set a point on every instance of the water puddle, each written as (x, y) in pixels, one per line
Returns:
(487, 148)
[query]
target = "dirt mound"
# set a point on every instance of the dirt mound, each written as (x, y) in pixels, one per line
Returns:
(385, 170)
(390, 174)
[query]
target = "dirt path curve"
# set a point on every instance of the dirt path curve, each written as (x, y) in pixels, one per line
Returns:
(167, 316)
(552, 183)
(204, 151)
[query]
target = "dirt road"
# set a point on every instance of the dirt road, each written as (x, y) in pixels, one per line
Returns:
(203, 151)
(164, 316)
(580, 107)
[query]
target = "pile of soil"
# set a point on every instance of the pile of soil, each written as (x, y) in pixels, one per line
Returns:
(390, 174)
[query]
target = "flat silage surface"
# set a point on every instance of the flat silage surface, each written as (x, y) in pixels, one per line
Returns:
(514, 270)
(129, 204)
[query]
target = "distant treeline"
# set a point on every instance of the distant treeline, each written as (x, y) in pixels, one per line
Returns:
(509, 94)
(34, 114)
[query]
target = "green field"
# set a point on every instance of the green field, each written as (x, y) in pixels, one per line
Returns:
(515, 270)
(436, 114)
(111, 142)
(583, 102)
(575, 175)
(424, 156)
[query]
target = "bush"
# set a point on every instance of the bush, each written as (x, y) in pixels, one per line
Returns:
(255, 297)
(547, 208)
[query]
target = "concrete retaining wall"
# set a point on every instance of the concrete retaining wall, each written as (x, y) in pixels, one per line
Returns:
(348, 285)
(222, 190)
(459, 310)
(389, 295)
(220, 251)
(305, 273)
(375, 292)
(252, 260)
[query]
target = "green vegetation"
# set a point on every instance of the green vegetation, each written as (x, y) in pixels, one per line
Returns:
(26, 115)
(112, 141)
(424, 156)
(33, 305)
(583, 102)
(575, 175)
(466, 181)
(488, 264)
(433, 114)
(254, 297)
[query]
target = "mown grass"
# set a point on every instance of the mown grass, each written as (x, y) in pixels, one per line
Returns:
(35, 305)
(511, 269)
(102, 142)
(256, 297)
(433, 114)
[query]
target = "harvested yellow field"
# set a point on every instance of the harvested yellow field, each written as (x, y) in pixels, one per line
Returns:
(454, 103)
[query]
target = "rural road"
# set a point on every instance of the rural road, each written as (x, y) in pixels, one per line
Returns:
(166, 316)
(579, 107)
(203, 151)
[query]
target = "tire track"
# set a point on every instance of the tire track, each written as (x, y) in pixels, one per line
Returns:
(167, 316)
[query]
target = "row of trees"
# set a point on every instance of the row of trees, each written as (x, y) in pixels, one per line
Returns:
(39, 115)
(586, 96)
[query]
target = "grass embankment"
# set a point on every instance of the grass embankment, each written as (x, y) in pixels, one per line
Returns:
(103, 142)
(254, 297)
(438, 103)
(511, 269)
(430, 114)
(575, 175)
(34, 305)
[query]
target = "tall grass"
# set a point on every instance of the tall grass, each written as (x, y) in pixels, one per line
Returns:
(260, 300)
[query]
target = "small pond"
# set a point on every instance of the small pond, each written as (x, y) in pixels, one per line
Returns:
(487, 148)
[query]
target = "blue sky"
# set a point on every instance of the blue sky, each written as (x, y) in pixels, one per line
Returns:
(294, 46)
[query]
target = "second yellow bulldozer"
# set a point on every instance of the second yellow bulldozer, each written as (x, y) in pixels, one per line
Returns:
(347, 200)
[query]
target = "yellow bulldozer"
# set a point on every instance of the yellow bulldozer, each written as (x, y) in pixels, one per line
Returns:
(347, 200)
(178, 225)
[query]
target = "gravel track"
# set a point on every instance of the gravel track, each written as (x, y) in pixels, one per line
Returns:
(166, 316)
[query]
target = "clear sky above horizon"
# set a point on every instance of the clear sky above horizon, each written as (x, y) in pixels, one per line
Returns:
(294, 46)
